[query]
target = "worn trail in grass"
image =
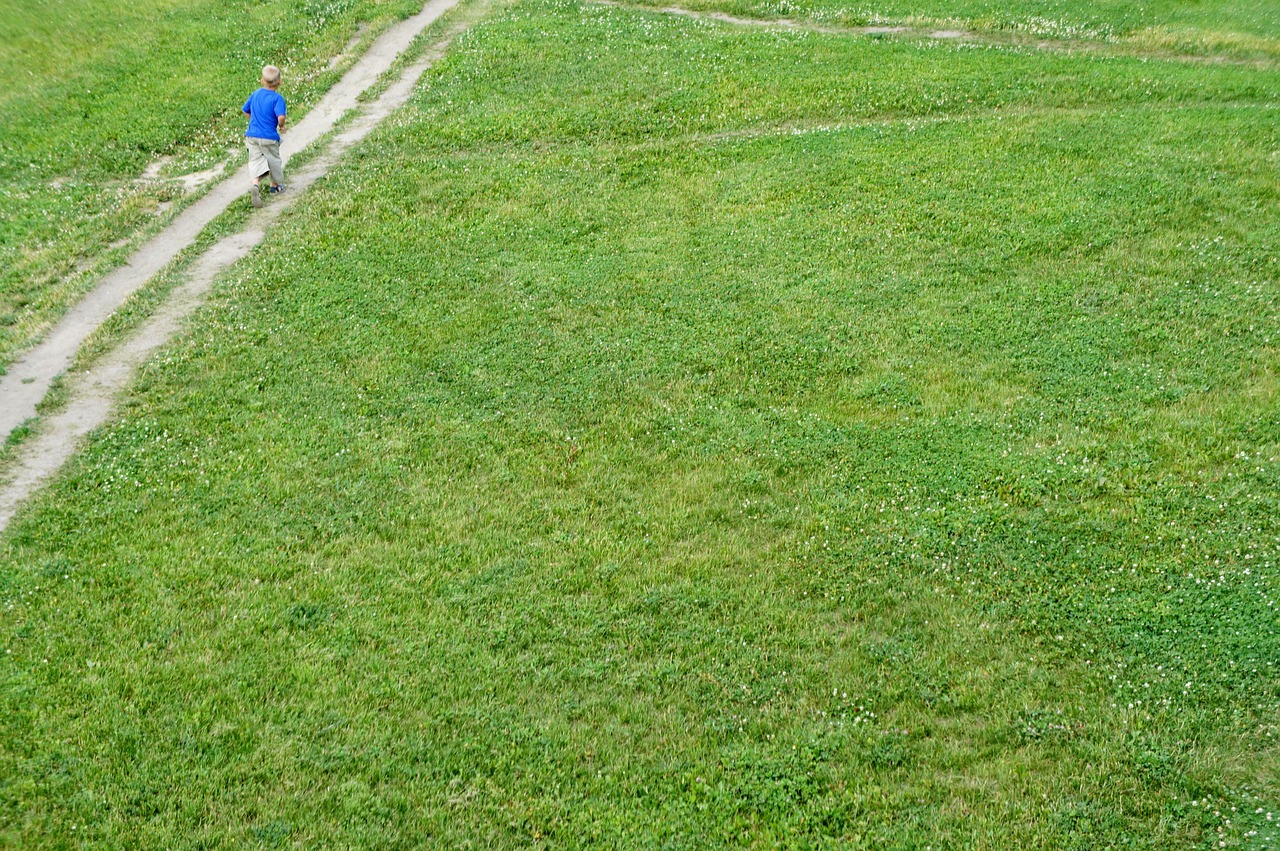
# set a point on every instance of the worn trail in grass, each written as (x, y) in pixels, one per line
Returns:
(1238, 27)
(96, 96)
(999, 36)
(572, 471)
(28, 381)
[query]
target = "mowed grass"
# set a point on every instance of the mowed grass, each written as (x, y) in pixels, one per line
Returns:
(94, 92)
(648, 441)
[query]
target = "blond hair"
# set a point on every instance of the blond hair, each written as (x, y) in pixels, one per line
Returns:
(270, 75)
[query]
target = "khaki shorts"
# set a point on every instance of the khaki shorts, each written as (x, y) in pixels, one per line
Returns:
(264, 156)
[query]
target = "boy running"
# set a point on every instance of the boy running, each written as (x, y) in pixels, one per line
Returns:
(266, 111)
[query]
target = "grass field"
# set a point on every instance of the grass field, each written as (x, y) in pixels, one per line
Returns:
(674, 434)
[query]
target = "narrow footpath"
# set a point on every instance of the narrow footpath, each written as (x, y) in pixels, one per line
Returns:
(92, 393)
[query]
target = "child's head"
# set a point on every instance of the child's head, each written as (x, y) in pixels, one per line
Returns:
(270, 76)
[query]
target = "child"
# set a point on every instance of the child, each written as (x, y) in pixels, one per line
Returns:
(266, 111)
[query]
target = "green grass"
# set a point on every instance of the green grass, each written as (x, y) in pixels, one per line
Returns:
(1221, 24)
(648, 441)
(624, 87)
(93, 92)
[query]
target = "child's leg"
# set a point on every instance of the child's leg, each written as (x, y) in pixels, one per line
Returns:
(257, 159)
(257, 162)
(271, 151)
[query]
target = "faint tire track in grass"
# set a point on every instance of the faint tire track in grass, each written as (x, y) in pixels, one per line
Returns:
(1148, 47)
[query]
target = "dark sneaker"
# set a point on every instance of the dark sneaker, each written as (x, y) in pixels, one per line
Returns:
(256, 195)
(277, 189)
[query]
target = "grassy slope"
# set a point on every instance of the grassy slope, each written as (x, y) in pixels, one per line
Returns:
(92, 92)
(612, 453)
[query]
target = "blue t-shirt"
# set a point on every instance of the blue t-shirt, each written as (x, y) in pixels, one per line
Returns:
(263, 107)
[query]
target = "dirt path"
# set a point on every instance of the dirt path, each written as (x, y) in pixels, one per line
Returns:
(92, 393)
